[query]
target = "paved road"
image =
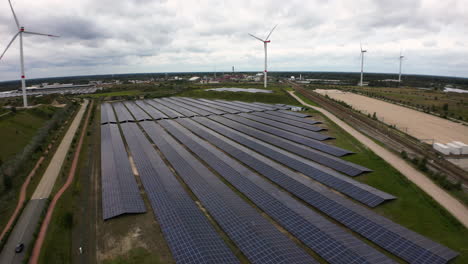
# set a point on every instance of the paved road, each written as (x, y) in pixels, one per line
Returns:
(24, 229)
(46, 185)
(452, 205)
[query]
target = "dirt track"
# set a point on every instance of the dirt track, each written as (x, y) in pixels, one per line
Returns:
(457, 209)
(418, 124)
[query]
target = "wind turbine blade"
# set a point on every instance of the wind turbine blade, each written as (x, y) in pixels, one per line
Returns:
(14, 15)
(41, 34)
(360, 44)
(9, 44)
(257, 38)
(270, 32)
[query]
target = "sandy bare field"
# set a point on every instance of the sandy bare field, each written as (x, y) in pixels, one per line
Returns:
(418, 124)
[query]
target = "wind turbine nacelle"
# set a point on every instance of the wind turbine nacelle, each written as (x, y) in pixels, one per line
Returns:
(267, 41)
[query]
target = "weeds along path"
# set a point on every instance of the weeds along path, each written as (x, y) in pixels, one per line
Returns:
(456, 208)
(45, 224)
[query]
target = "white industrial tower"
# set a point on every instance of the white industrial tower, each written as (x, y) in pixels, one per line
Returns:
(362, 66)
(401, 61)
(21, 31)
(265, 42)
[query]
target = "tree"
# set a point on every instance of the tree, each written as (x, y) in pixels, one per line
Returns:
(445, 107)
(13, 109)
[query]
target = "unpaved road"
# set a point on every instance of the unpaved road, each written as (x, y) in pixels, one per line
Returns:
(418, 124)
(46, 185)
(457, 209)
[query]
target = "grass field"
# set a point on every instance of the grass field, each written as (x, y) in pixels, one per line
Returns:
(413, 208)
(454, 105)
(16, 130)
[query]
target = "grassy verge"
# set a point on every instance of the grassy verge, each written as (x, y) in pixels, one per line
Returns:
(413, 208)
(119, 93)
(136, 255)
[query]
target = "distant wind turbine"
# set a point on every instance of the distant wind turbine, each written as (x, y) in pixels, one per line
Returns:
(401, 61)
(21, 31)
(362, 65)
(265, 42)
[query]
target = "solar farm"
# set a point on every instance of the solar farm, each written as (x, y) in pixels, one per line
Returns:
(264, 174)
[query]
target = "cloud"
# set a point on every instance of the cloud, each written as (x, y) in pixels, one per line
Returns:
(110, 36)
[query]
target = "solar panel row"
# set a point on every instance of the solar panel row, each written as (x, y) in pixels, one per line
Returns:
(153, 112)
(335, 151)
(294, 113)
(292, 129)
(326, 239)
(328, 160)
(394, 238)
(242, 106)
(198, 111)
(123, 115)
(354, 189)
(288, 121)
(222, 108)
(136, 111)
(264, 108)
(107, 114)
(277, 106)
(255, 236)
(206, 108)
(294, 118)
(187, 231)
(183, 110)
(166, 110)
(120, 192)
(236, 108)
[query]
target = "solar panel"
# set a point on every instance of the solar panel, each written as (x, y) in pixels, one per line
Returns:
(335, 151)
(248, 107)
(354, 189)
(209, 104)
(236, 108)
(107, 114)
(166, 110)
(153, 112)
(325, 159)
(294, 113)
(399, 240)
(120, 193)
(191, 108)
(296, 130)
(288, 121)
(139, 114)
(183, 110)
(328, 240)
(123, 115)
(264, 108)
(297, 119)
(197, 105)
(177, 214)
(276, 106)
(255, 236)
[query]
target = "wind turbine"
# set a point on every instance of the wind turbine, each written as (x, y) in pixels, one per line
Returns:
(401, 61)
(362, 65)
(21, 31)
(265, 42)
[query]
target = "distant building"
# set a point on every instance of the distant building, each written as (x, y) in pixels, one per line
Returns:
(194, 79)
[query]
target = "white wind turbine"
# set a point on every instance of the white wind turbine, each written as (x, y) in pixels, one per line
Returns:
(362, 65)
(21, 31)
(401, 61)
(265, 42)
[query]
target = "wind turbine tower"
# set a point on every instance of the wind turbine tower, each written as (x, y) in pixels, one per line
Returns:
(401, 61)
(20, 32)
(265, 43)
(362, 66)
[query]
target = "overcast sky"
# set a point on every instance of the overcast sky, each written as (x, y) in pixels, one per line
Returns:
(127, 36)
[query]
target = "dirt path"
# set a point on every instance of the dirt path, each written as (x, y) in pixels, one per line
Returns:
(45, 224)
(457, 209)
(46, 185)
(420, 125)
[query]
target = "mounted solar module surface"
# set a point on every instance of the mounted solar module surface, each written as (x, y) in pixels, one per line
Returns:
(328, 160)
(198, 111)
(196, 105)
(255, 236)
(292, 129)
(294, 113)
(354, 189)
(335, 151)
(107, 114)
(153, 112)
(120, 193)
(242, 106)
(288, 121)
(274, 106)
(123, 115)
(328, 240)
(139, 114)
(222, 108)
(190, 236)
(394, 238)
(236, 108)
(183, 110)
(290, 117)
(166, 110)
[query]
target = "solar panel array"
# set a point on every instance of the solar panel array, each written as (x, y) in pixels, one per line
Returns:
(120, 194)
(274, 158)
